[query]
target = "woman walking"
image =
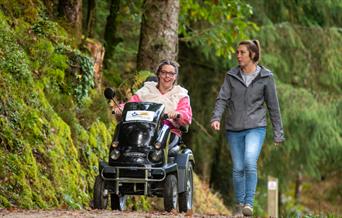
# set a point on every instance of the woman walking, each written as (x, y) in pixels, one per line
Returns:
(246, 92)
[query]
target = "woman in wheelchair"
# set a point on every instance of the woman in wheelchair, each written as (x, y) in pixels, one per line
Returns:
(166, 91)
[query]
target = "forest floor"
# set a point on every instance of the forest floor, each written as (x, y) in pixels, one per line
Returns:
(324, 196)
(19, 213)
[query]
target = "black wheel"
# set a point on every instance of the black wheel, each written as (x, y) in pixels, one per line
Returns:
(118, 202)
(185, 198)
(170, 193)
(100, 194)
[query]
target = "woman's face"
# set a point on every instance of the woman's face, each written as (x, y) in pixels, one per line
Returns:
(243, 56)
(167, 76)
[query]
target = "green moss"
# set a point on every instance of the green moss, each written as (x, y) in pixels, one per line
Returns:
(99, 141)
(21, 8)
(49, 153)
(12, 57)
(4, 202)
(49, 29)
(94, 108)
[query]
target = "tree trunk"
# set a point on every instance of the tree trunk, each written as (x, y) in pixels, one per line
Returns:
(97, 53)
(91, 16)
(110, 32)
(71, 10)
(158, 36)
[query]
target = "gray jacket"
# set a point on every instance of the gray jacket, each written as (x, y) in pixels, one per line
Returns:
(245, 105)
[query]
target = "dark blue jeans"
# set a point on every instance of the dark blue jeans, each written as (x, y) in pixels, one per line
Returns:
(245, 147)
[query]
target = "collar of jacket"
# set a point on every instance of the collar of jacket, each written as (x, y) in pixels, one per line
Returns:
(236, 73)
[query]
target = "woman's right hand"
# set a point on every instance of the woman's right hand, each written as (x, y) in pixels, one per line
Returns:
(215, 125)
(117, 111)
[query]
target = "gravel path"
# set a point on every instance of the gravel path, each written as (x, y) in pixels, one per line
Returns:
(19, 213)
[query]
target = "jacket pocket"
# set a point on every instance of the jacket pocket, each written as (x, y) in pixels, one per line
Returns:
(230, 107)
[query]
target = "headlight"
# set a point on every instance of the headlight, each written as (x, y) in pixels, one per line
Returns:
(156, 155)
(115, 154)
(157, 145)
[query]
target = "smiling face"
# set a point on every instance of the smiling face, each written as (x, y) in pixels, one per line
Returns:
(167, 76)
(244, 57)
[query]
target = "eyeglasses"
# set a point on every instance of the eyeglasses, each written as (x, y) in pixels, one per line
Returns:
(164, 73)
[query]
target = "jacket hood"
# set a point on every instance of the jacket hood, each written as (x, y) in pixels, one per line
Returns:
(264, 72)
(149, 92)
(151, 87)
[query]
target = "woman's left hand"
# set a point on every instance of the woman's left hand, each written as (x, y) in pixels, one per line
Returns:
(173, 115)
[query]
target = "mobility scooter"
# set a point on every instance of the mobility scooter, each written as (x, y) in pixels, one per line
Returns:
(145, 160)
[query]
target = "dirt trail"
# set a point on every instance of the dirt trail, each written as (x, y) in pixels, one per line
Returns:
(18, 213)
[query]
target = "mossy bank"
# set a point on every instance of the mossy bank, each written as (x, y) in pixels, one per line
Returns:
(53, 125)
